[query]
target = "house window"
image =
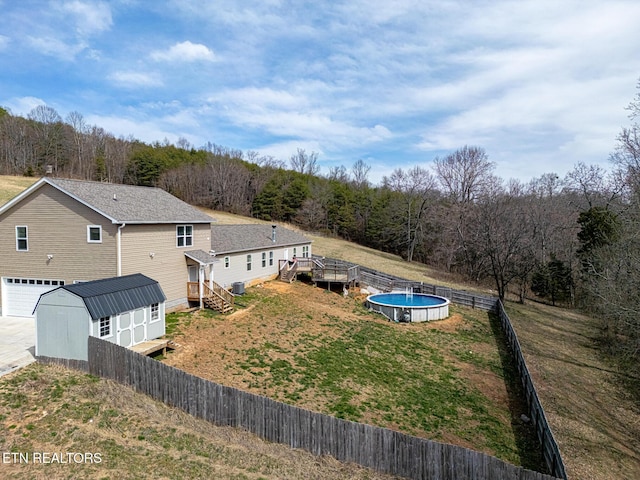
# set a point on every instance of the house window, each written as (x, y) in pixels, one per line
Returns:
(184, 235)
(227, 262)
(264, 259)
(248, 262)
(22, 240)
(105, 327)
(305, 251)
(155, 312)
(94, 234)
(295, 250)
(271, 259)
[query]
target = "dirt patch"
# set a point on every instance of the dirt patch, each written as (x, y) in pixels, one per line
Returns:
(449, 325)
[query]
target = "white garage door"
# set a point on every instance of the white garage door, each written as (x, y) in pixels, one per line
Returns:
(20, 295)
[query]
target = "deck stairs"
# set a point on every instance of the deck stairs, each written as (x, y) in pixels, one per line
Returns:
(288, 271)
(218, 298)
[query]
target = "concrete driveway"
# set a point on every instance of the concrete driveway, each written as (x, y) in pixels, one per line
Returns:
(17, 343)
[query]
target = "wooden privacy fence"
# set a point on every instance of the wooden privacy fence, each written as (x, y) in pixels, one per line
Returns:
(550, 449)
(378, 448)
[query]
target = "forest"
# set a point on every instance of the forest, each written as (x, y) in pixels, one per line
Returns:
(572, 241)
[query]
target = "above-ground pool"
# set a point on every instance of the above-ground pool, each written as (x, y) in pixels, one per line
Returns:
(409, 307)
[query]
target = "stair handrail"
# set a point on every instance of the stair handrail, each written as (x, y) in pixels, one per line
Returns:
(220, 292)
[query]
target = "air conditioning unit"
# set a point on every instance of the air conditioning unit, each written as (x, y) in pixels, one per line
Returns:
(237, 288)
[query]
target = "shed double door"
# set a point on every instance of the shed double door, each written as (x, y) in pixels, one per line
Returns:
(132, 328)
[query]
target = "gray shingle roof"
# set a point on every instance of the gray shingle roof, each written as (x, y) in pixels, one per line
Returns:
(200, 256)
(239, 238)
(111, 296)
(130, 204)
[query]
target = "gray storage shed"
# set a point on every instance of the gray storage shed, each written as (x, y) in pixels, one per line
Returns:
(124, 310)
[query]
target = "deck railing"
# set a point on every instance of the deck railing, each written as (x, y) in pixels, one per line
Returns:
(193, 292)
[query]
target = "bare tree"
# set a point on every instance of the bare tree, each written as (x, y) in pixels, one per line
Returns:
(464, 176)
(596, 186)
(312, 215)
(49, 139)
(265, 161)
(78, 164)
(360, 172)
(505, 238)
(338, 174)
(464, 173)
(417, 186)
(305, 163)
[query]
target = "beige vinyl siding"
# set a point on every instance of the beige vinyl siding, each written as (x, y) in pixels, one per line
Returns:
(168, 265)
(57, 225)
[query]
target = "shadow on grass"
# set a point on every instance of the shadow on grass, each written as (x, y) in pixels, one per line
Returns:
(529, 448)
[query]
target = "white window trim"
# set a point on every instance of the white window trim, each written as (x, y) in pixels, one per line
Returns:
(151, 312)
(271, 258)
(264, 259)
(89, 227)
(184, 236)
(108, 324)
(227, 262)
(249, 262)
(26, 238)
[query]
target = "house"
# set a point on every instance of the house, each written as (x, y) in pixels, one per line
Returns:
(124, 310)
(60, 231)
(251, 253)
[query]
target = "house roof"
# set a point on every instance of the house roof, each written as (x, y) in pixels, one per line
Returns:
(200, 256)
(123, 203)
(110, 296)
(240, 238)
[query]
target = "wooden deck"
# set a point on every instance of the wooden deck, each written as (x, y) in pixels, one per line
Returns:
(152, 346)
(216, 298)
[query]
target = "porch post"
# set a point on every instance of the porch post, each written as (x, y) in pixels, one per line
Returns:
(201, 284)
(211, 276)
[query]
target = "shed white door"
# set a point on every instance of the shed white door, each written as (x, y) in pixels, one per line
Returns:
(139, 327)
(132, 328)
(20, 295)
(125, 330)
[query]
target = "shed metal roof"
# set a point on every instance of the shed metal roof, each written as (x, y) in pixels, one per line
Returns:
(111, 296)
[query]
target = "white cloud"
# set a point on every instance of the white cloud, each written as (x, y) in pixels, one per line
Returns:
(56, 47)
(4, 42)
(284, 150)
(23, 105)
(184, 52)
(90, 17)
(134, 79)
(139, 128)
(295, 114)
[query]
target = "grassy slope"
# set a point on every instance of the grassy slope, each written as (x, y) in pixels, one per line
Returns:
(595, 422)
(326, 352)
(11, 186)
(55, 410)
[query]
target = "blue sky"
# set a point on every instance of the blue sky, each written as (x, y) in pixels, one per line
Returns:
(540, 85)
